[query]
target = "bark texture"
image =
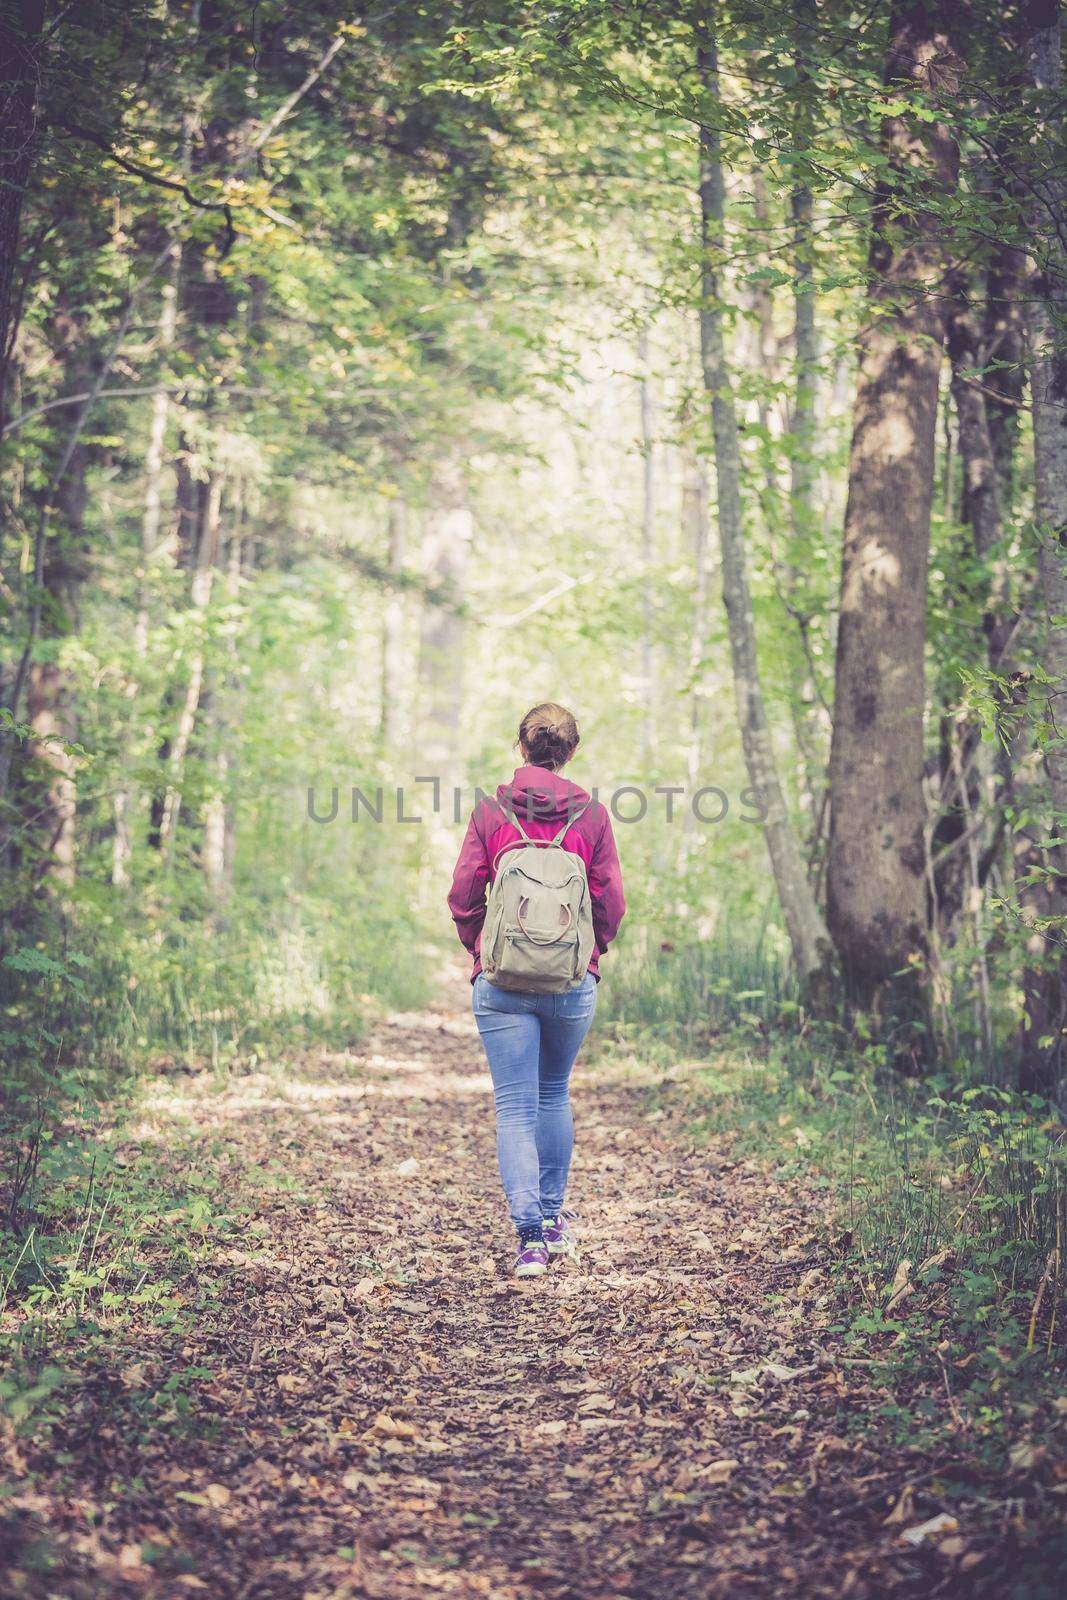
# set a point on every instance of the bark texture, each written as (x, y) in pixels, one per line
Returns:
(803, 423)
(697, 522)
(201, 506)
(965, 850)
(811, 718)
(1045, 1037)
(1047, 355)
(48, 800)
(448, 538)
(393, 629)
(125, 799)
(804, 924)
(876, 869)
(20, 35)
(648, 534)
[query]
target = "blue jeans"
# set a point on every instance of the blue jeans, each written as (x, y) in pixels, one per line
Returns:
(530, 1042)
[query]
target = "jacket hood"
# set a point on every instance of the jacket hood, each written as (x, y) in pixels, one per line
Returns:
(541, 795)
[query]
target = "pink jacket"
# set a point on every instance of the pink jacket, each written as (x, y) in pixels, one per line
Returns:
(542, 801)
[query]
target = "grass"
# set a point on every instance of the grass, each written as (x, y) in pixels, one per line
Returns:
(122, 1244)
(87, 1006)
(945, 1191)
(946, 1229)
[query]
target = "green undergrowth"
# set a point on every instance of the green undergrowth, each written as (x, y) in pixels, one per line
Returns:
(945, 1166)
(930, 1186)
(945, 1210)
(91, 1006)
(115, 1197)
(117, 1255)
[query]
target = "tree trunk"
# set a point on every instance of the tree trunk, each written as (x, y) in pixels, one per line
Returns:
(209, 302)
(810, 714)
(47, 776)
(393, 629)
(50, 803)
(698, 521)
(20, 37)
(648, 531)
(200, 543)
(1045, 1056)
(962, 859)
(803, 426)
(448, 537)
(981, 479)
(50, 711)
(1005, 345)
(1047, 356)
(221, 718)
(124, 801)
(876, 867)
(804, 925)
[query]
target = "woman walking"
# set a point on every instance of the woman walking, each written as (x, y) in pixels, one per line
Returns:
(545, 853)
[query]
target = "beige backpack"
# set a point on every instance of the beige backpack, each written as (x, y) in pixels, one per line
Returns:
(538, 933)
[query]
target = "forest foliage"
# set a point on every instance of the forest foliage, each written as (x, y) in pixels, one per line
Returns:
(701, 367)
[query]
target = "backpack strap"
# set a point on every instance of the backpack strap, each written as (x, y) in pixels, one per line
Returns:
(512, 817)
(512, 843)
(570, 824)
(542, 844)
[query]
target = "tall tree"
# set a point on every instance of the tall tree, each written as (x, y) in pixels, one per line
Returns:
(1047, 357)
(393, 628)
(648, 533)
(447, 548)
(20, 38)
(876, 870)
(804, 923)
(1046, 1039)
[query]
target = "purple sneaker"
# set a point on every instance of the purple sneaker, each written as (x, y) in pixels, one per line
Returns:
(558, 1237)
(532, 1259)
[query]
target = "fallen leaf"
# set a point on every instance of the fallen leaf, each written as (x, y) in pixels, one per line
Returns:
(901, 1286)
(784, 1374)
(354, 1479)
(773, 1369)
(942, 1523)
(597, 1402)
(902, 1509)
(392, 1427)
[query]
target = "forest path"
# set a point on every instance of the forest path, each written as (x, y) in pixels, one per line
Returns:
(381, 1410)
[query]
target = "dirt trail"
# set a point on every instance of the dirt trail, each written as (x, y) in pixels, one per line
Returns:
(382, 1411)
